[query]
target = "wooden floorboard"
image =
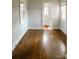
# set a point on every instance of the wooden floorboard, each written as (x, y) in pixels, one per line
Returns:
(41, 44)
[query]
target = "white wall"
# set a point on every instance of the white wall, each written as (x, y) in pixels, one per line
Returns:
(15, 13)
(63, 21)
(18, 28)
(34, 8)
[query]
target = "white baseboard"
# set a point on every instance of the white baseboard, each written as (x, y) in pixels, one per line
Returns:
(43, 28)
(18, 40)
(63, 31)
(56, 28)
(35, 28)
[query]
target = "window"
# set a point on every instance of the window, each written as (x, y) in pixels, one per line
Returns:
(22, 10)
(63, 12)
(45, 9)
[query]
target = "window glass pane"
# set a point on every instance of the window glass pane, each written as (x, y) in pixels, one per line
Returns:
(63, 11)
(45, 9)
(22, 10)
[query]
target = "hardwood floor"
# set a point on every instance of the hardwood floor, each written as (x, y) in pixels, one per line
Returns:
(41, 44)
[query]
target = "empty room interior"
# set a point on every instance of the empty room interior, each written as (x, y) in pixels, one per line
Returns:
(39, 29)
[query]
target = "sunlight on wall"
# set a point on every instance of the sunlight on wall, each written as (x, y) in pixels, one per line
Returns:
(46, 5)
(63, 10)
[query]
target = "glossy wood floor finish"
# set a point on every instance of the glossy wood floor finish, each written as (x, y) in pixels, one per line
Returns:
(41, 44)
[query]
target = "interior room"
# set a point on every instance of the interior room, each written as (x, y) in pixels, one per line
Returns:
(39, 29)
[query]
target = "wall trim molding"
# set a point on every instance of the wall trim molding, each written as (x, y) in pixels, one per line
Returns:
(34, 28)
(43, 28)
(56, 28)
(18, 40)
(63, 31)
